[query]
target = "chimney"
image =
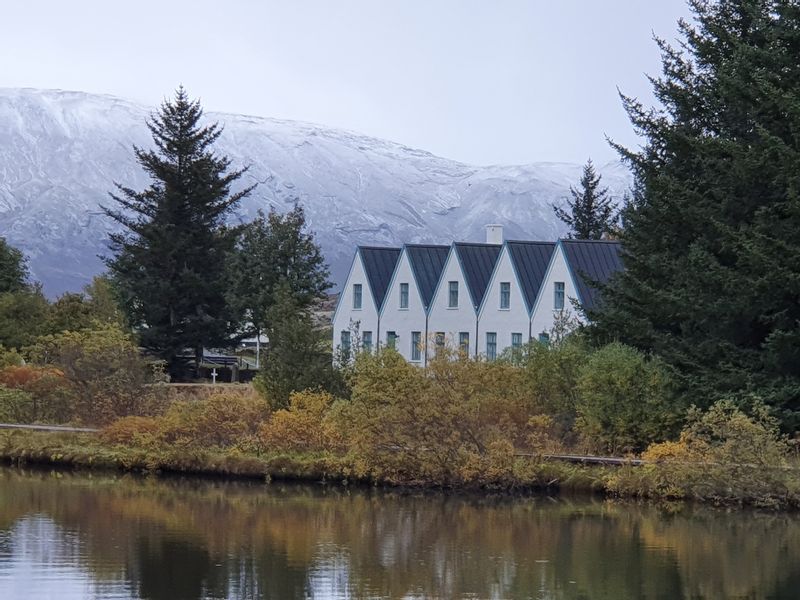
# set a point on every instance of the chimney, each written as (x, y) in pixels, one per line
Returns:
(494, 234)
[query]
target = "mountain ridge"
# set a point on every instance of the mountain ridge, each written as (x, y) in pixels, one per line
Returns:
(61, 152)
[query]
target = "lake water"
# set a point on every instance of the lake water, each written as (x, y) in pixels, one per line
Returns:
(80, 536)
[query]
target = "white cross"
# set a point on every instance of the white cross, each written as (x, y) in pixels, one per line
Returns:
(214, 375)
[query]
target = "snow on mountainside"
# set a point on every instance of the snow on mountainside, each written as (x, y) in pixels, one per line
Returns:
(61, 152)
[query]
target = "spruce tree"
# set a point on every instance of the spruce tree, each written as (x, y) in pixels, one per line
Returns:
(169, 263)
(712, 242)
(591, 213)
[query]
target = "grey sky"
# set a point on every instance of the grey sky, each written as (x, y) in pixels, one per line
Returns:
(484, 82)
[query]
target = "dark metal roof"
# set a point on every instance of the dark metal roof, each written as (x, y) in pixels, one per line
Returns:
(427, 262)
(530, 260)
(592, 261)
(477, 262)
(379, 264)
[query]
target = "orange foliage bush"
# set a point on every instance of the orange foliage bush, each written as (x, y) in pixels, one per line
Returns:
(130, 430)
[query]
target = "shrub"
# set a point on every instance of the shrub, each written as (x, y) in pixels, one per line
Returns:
(50, 393)
(439, 424)
(724, 455)
(107, 376)
(16, 406)
(305, 426)
(221, 420)
(624, 400)
(10, 358)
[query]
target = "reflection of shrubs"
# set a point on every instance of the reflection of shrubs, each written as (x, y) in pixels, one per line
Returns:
(623, 400)
(723, 455)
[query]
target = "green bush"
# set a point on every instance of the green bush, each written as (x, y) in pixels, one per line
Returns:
(624, 400)
(16, 406)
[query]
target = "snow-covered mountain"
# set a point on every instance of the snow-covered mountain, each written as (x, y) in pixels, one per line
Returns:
(61, 152)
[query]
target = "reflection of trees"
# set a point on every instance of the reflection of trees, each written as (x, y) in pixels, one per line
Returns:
(198, 539)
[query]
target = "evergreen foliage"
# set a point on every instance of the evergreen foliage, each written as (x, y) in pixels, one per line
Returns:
(169, 264)
(275, 251)
(591, 213)
(13, 270)
(298, 359)
(712, 240)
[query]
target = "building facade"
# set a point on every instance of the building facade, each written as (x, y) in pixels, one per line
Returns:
(481, 298)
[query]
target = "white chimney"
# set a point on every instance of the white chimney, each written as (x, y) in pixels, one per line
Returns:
(494, 234)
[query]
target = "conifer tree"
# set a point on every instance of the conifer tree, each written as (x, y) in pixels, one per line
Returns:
(169, 263)
(591, 213)
(712, 242)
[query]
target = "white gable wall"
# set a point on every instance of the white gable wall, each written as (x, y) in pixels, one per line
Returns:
(367, 316)
(403, 320)
(544, 311)
(452, 320)
(503, 322)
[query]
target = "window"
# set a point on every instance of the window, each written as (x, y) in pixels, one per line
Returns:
(505, 294)
(356, 296)
(453, 297)
(345, 341)
(366, 341)
(416, 345)
(463, 342)
(544, 338)
(491, 345)
(391, 339)
(403, 295)
(558, 295)
(439, 341)
(516, 340)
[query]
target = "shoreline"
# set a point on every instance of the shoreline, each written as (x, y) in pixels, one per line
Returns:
(548, 478)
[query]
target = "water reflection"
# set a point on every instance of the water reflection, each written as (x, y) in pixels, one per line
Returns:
(99, 536)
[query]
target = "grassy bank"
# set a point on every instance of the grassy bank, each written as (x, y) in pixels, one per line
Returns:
(526, 475)
(87, 451)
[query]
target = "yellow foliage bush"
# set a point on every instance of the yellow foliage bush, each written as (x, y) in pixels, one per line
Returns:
(305, 426)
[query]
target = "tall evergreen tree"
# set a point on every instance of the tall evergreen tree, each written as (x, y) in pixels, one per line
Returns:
(712, 242)
(169, 263)
(13, 269)
(591, 213)
(272, 251)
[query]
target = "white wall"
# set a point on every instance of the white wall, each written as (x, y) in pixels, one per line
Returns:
(504, 322)
(367, 316)
(544, 311)
(452, 320)
(403, 320)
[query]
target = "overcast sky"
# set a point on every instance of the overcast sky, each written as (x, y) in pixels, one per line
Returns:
(496, 81)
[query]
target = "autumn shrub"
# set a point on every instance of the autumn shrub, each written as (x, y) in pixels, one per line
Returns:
(16, 406)
(221, 420)
(10, 358)
(107, 376)
(624, 400)
(306, 425)
(435, 424)
(49, 391)
(723, 455)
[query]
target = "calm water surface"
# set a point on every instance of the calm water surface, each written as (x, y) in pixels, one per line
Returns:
(78, 536)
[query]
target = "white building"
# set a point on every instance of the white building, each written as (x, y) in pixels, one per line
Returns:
(481, 298)
(356, 319)
(404, 315)
(575, 267)
(504, 318)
